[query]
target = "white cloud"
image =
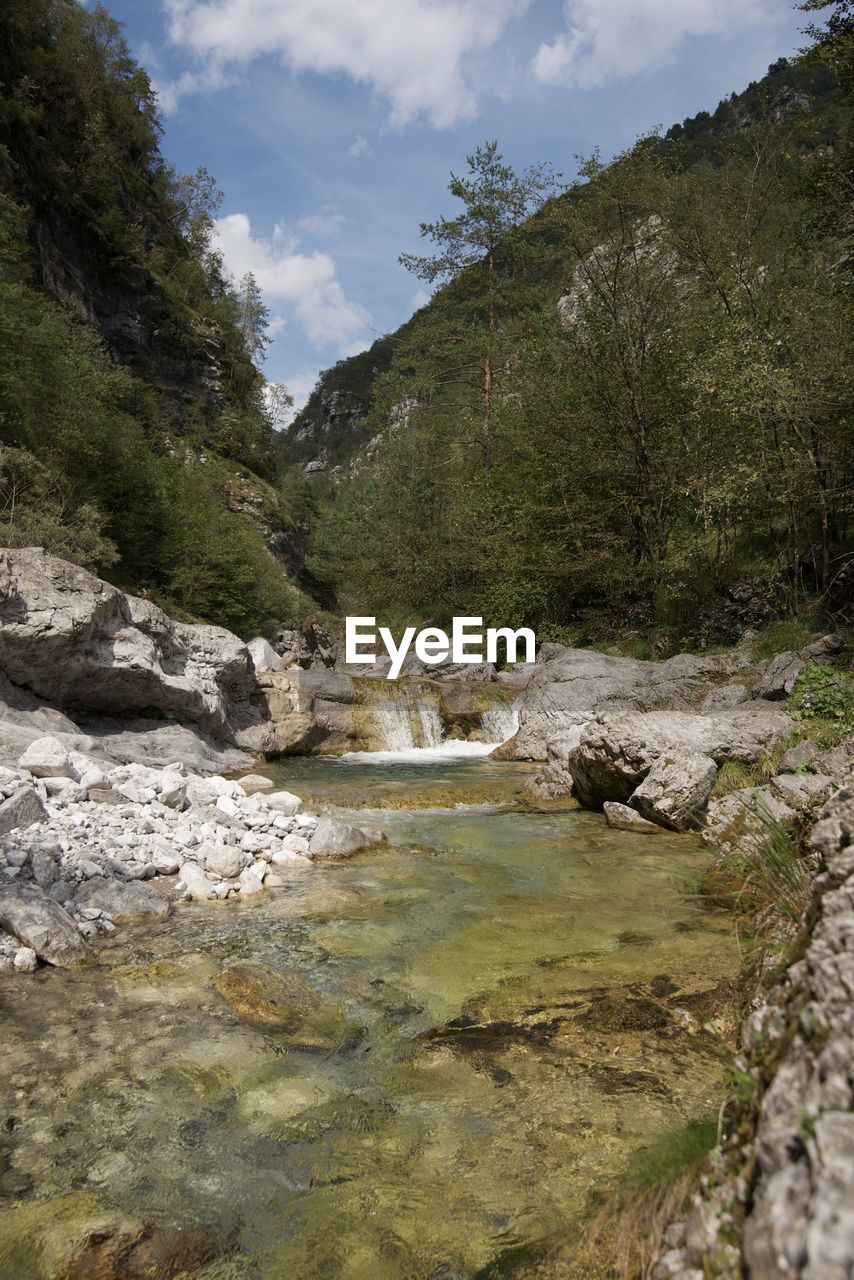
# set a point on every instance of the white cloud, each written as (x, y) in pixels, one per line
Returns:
(412, 53)
(322, 226)
(360, 147)
(608, 40)
(304, 284)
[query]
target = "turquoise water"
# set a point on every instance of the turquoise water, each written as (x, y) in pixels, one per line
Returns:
(495, 1014)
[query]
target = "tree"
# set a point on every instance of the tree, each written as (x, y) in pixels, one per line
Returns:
(252, 317)
(478, 244)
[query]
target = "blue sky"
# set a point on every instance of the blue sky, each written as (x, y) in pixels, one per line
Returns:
(331, 125)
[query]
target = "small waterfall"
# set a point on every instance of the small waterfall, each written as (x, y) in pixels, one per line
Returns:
(393, 724)
(500, 721)
(431, 724)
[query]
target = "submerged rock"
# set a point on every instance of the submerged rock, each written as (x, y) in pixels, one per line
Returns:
(622, 818)
(333, 839)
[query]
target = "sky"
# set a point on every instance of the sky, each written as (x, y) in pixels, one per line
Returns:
(332, 126)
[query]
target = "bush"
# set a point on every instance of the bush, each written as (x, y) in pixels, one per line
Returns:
(825, 694)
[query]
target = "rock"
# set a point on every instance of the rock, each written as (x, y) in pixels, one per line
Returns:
(39, 922)
(265, 997)
(198, 885)
(284, 802)
(728, 695)
(156, 744)
(26, 960)
(94, 779)
(223, 860)
(798, 757)
(45, 870)
(622, 818)
(778, 679)
(252, 782)
(250, 882)
(21, 810)
(800, 1218)
(72, 638)
(799, 791)
(675, 791)
(123, 900)
(47, 758)
(740, 820)
(106, 795)
(174, 795)
(824, 648)
(332, 839)
(616, 752)
(17, 857)
(571, 687)
(263, 655)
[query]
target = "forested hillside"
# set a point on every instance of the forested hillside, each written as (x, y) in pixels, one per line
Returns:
(133, 423)
(627, 406)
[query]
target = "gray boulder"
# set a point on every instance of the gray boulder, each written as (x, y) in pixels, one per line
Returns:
(264, 656)
(21, 810)
(622, 818)
(47, 757)
(778, 679)
(800, 791)
(799, 756)
(616, 752)
(74, 639)
(740, 821)
(223, 860)
(676, 790)
(728, 695)
(571, 687)
(40, 923)
(332, 839)
(123, 900)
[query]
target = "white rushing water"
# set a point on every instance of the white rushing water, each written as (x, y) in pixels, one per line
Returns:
(500, 721)
(410, 728)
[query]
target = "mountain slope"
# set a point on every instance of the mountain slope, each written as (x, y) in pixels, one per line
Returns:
(132, 418)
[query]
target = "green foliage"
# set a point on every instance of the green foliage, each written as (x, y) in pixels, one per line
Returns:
(824, 693)
(122, 464)
(683, 424)
(781, 636)
(677, 1152)
(776, 878)
(733, 775)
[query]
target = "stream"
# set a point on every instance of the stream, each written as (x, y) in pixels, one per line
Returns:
(506, 1006)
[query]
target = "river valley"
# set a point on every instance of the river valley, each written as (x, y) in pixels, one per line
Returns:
(505, 1007)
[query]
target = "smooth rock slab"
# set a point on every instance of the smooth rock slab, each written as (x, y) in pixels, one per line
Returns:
(622, 818)
(284, 802)
(21, 810)
(198, 885)
(123, 900)
(39, 922)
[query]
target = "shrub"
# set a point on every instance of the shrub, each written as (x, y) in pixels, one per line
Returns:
(825, 694)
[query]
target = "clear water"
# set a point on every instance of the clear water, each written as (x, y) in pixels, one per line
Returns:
(392, 1146)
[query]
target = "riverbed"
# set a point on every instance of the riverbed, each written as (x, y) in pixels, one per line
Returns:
(509, 1005)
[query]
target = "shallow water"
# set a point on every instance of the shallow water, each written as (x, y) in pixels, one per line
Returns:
(500, 1023)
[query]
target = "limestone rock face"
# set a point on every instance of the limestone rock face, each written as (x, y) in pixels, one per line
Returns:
(71, 638)
(263, 655)
(801, 1221)
(728, 695)
(571, 687)
(42, 924)
(616, 752)
(676, 790)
